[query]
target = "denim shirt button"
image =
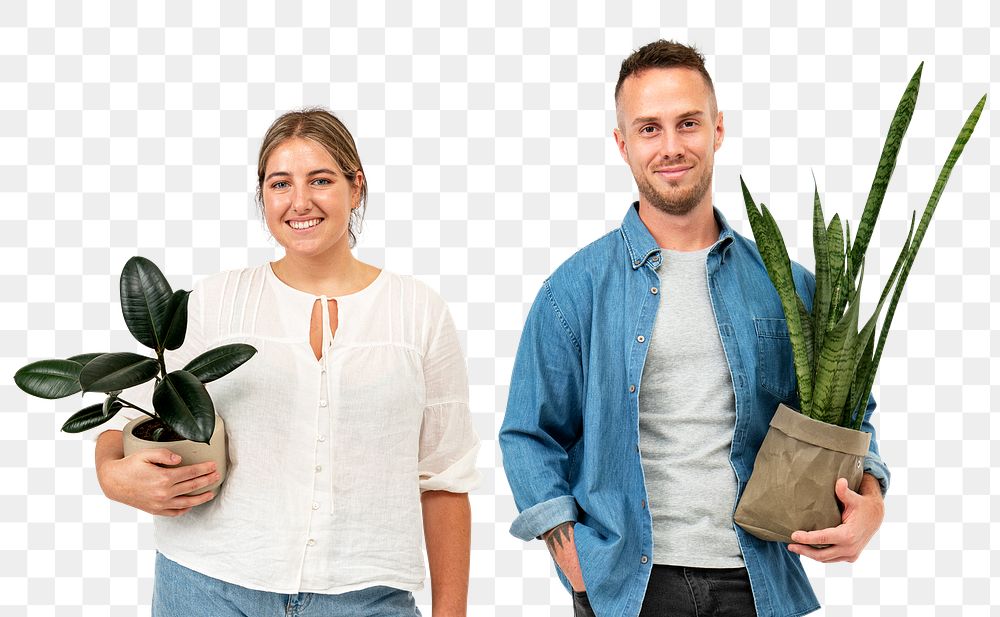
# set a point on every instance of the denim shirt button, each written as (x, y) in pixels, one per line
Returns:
(644, 559)
(643, 504)
(631, 388)
(654, 290)
(641, 338)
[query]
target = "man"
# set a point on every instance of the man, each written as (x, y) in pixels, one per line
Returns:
(649, 368)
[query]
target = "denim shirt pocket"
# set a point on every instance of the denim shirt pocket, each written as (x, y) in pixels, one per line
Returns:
(775, 364)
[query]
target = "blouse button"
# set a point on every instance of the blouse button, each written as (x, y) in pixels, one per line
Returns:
(321, 438)
(641, 338)
(322, 403)
(311, 542)
(319, 468)
(315, 506)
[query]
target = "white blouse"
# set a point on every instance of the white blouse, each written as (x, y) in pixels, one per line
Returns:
(327, 457)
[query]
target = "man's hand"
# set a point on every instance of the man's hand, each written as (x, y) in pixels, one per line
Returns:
(139, 480)
(862, 516)
(561, 545)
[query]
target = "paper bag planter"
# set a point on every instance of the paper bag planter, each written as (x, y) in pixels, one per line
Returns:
(792, 484)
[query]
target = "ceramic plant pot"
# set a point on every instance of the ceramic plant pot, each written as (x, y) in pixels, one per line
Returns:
(792, 484)
(191, 452)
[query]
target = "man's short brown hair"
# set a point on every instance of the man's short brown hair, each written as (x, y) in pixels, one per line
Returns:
(663, 54)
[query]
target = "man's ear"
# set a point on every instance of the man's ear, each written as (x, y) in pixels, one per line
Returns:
(620, 142)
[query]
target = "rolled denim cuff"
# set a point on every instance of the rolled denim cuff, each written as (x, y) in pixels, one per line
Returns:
(878, 470)
(542, 517)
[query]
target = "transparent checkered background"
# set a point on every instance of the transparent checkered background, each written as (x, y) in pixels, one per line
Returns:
(486, 135)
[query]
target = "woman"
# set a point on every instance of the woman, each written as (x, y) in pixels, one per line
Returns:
(350, 423)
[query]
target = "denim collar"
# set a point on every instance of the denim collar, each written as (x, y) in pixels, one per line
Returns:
(642, 247)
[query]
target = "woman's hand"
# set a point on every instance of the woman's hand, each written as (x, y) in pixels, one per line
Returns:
(139, 481)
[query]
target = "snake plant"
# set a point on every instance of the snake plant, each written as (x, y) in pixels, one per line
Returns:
(156, 316)
(835, 362)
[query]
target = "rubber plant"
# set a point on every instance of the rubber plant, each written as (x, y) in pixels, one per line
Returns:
(835, 361)
(157, 317)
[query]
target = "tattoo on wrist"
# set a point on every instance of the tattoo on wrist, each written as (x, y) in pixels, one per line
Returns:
(556, 535)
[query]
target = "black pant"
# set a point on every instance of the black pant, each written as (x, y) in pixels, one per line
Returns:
(689, 592)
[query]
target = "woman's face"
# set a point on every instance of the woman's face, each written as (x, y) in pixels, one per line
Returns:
(308, 199)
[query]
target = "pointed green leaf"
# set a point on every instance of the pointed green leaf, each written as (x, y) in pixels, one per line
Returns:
(886, 164)
(183, 403)
(821, 298)
(925, 219)
(94, 415)
(176, 320)
(779, 268)
(49, 379)
(220, 361)
(843, 376)
(117, 371)
(807, 334)
(145, 297)
(835, 255)
(837, 341)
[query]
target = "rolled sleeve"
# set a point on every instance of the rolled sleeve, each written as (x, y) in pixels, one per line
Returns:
(542, 517)
(874, 465)
(448, 450)
(544, 419)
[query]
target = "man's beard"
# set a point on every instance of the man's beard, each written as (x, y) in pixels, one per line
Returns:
(679, 202)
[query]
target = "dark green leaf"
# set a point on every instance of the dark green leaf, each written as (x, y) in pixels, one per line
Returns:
(183, 403)
(220, 361)
(49, 378)
(92, 416)
(117, 371)
(85, 358)
(886, 164)
(177, 320)
(145, 297)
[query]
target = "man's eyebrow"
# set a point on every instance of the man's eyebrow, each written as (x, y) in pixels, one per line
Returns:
(694, 113)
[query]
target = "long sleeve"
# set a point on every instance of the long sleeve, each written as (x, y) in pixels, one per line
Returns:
(544, 419)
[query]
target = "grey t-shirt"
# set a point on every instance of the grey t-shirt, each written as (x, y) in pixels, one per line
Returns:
(687, 411)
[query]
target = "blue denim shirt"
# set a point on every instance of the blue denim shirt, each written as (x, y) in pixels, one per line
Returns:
(570, 437)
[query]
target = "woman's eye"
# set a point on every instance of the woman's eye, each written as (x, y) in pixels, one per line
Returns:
(321, 181)
(280, 184)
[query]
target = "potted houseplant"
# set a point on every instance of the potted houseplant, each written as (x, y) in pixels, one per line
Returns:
(183, 419)
(803, 454)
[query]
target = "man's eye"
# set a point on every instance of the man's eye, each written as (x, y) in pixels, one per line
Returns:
(648, 129)
(689, 124)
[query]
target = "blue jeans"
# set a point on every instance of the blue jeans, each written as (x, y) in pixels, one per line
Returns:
(182, 592)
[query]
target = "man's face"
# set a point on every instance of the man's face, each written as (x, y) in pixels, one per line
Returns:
(668, 132)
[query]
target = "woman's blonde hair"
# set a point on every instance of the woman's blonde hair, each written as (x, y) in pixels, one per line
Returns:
(324, 128)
